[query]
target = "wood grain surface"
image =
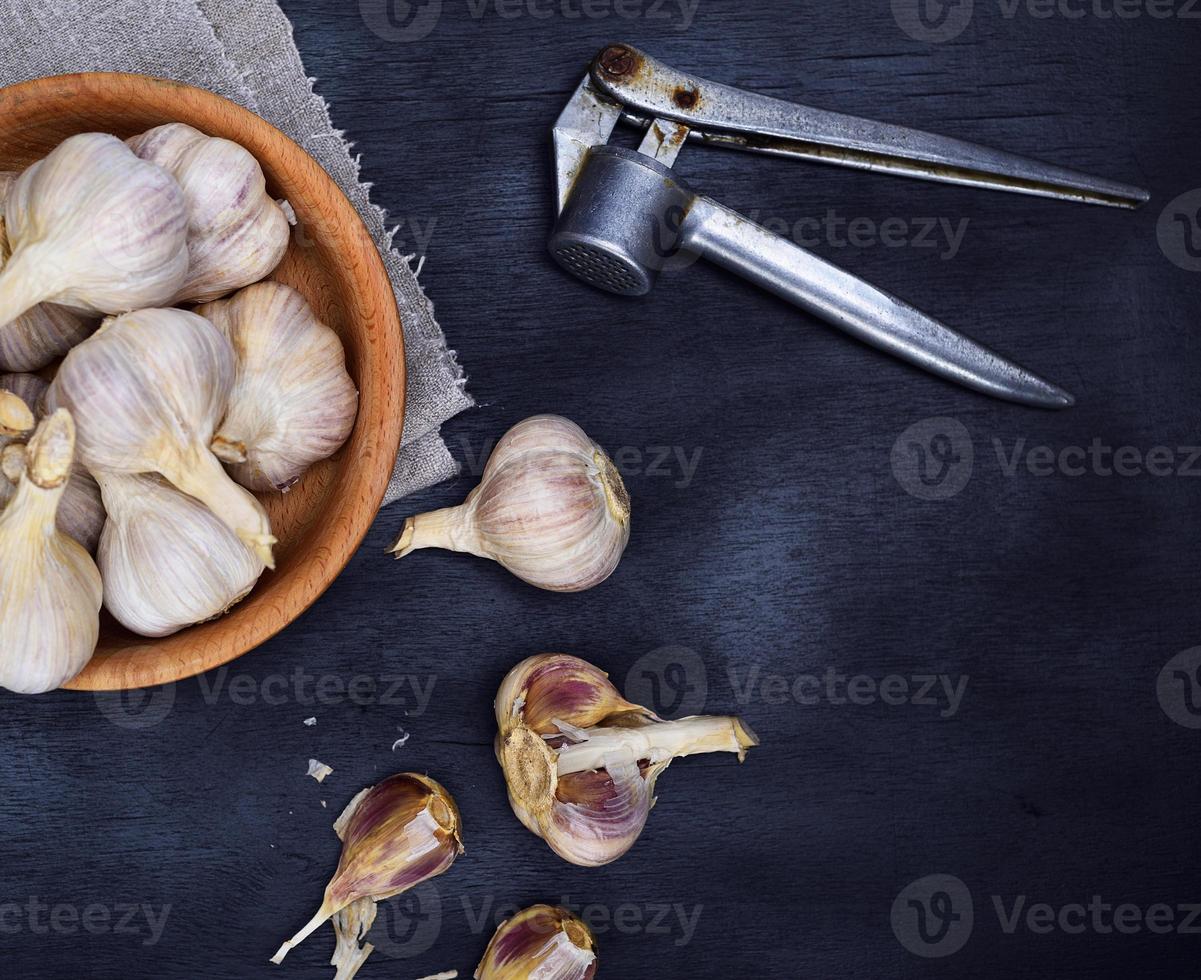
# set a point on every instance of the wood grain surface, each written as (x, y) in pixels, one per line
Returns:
(333, 263)
(785, 546)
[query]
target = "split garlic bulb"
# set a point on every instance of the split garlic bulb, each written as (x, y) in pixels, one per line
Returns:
(551, 508)
(94, 228)
(292, 402)
(147, 390)
(540, 942)
(50, 588)
(236, 233)
(80, 513)
(43, 333)
(581, 762)
(395, 835)
(166, 560)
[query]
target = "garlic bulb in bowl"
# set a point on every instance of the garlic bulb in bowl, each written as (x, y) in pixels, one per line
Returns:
(147, 390)
(236, 233)
(43, 333)
(94, 228)
(166, 560)
(50, 588)
(292, 402)
(551, 508)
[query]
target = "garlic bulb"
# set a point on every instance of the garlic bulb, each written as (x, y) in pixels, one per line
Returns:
(581, 762)
(551, 508)
(236, 233)
(80, 512)
(292, 402)
(395, 835)
(43, 333)
(541, 942)
(49, 587)
(94, 228)
(147, 390)
(166, 560)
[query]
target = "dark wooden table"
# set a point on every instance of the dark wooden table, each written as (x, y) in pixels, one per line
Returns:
(1051, 759)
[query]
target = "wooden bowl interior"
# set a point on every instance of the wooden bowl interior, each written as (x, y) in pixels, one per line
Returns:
(334, 264)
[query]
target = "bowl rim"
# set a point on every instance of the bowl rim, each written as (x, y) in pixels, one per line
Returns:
(385, 418)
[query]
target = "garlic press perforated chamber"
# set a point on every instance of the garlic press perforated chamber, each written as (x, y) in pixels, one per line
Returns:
(625, 216)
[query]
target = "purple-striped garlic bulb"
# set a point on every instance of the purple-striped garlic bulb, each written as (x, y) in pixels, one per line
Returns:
(395, 835)
(237, 234)
(581, 762)
(551, 508)
(542, 942)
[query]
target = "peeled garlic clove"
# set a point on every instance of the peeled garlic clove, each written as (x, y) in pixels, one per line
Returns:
(43, 333)
(50, 588)
(581, 762)
(167, 561)
(540, 943)
(551, 508)
(292, 402)
(94, 228)
(395, 835)
(147, 390)
(80, 512)
(236, 233)
(16, 420)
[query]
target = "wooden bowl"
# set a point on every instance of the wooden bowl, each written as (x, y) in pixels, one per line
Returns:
(333, 262)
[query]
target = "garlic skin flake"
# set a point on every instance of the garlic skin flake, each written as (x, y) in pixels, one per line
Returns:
(395, 835)
(542, 942)
(80, 512)
(292, 402)
(236, 233)
(167, 561)
(93, 228)
(50, 588)
(148, 390)
(581, 762)
(551, 508)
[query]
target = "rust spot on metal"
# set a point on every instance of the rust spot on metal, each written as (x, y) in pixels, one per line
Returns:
(686, 98)
(618, 61)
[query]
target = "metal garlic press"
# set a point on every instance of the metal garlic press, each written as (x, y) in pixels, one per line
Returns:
(625, 216)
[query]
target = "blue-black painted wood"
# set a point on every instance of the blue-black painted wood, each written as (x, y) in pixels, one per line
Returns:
(784, 546)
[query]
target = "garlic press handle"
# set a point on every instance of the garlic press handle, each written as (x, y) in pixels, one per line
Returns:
(732, 241)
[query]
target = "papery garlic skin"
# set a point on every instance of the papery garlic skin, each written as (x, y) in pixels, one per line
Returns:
(395, 835)
(581, 762)
(551, 508)
(236, 233)
(166, 560)
(540, 943)
(50, 589)
(93, 228)
(80, 512)
(292, 402)
(148, 390)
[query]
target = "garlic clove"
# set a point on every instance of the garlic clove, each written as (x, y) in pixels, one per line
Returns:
(148, 389)
(292, 401)
(50, 589)
(237, 234)
(582, 765)
(551, 508)
(16, 420)
(395, 835)
(93, 228)
(166, 560)
(540, 943)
